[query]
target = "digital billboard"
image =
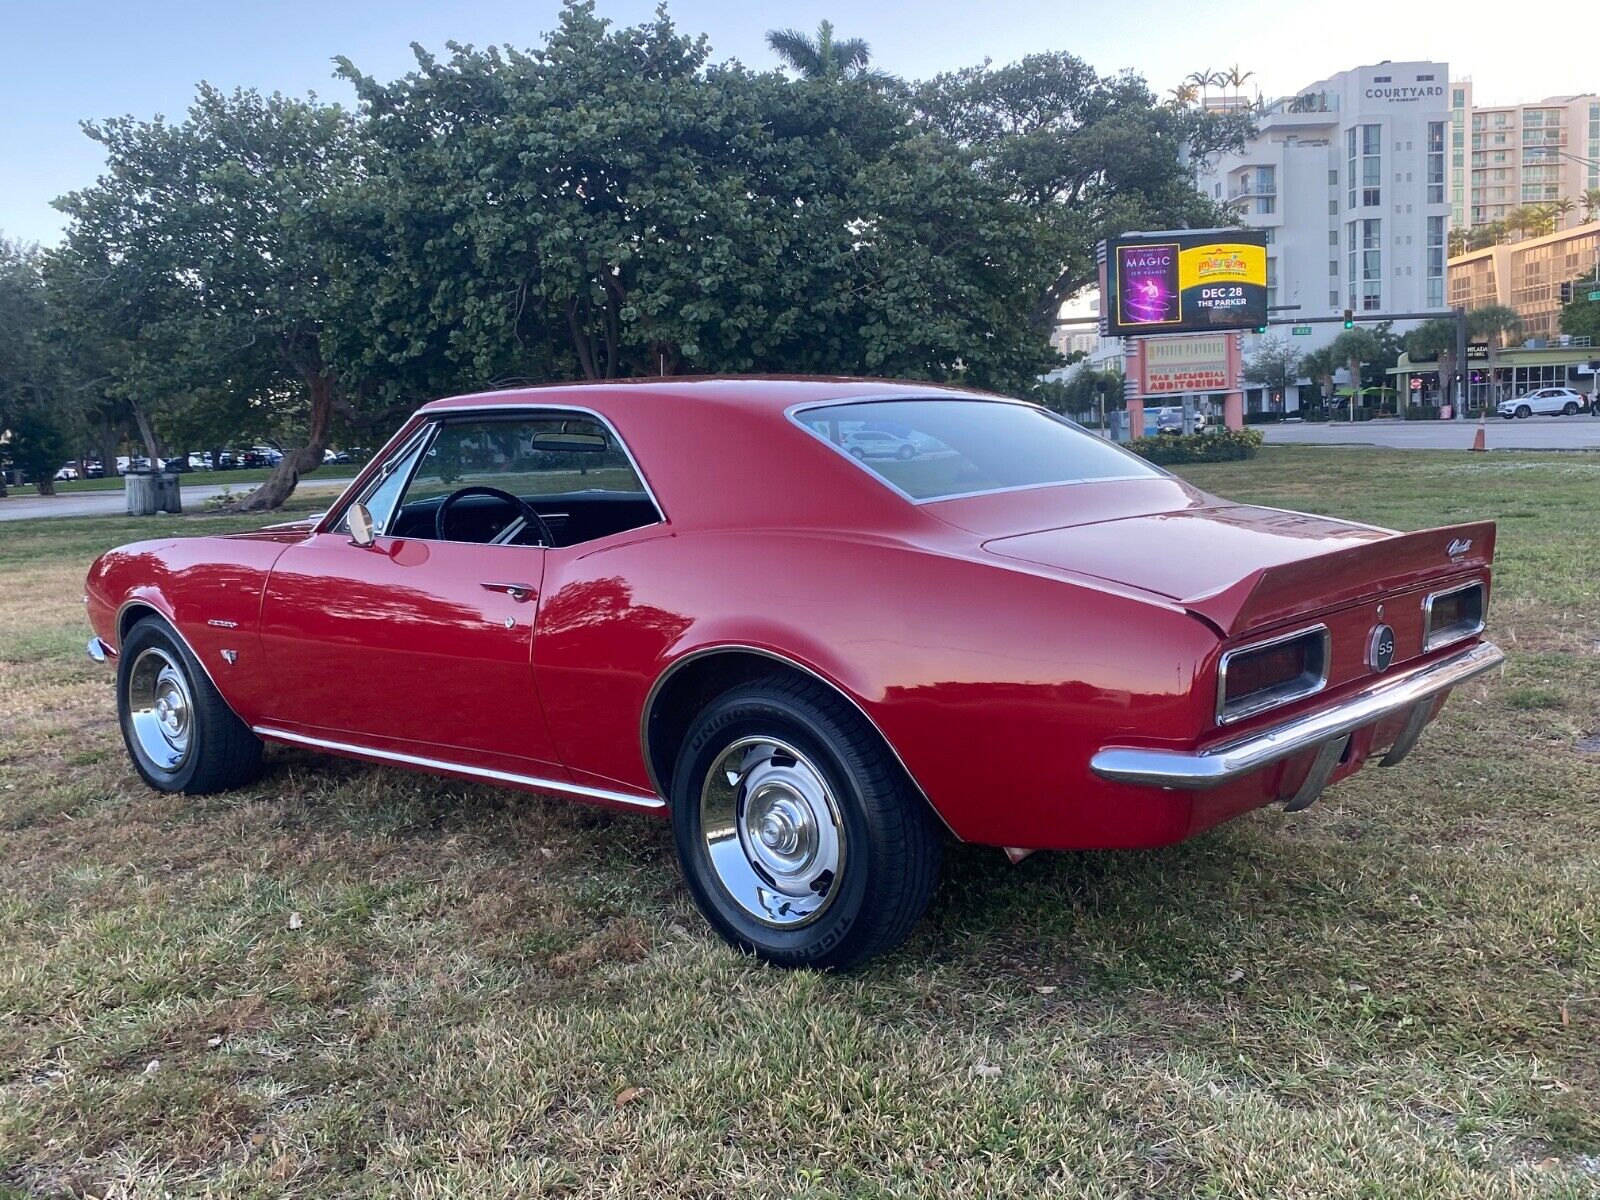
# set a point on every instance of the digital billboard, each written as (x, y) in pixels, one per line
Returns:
(1184, 281)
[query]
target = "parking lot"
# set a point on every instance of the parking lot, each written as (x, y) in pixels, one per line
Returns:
(1533, 433)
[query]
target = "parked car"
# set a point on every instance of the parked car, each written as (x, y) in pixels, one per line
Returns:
(817, 666)
(94, 469)
(1170, 419)
(200, 461)
(271, 456)
(1550, 401)
(66, 473)
(876, 443)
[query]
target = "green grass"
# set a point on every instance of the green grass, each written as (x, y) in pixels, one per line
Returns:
(1394, 994)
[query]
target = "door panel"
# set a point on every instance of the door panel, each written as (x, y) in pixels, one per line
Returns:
(399, 643)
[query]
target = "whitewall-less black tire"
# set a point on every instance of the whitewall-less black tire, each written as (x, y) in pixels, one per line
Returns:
(800, 837)
(180, 733)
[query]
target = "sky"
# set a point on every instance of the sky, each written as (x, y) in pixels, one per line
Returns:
(63, 61)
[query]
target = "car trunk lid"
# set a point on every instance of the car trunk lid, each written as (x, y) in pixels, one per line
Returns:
(1241, 567)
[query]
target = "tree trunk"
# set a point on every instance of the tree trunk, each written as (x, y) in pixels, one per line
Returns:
(281, 483)
(45, 485)
(110, 438)
(152, 448)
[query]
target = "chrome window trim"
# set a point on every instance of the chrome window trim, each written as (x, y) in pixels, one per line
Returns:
(333, 519)
(440, 764)
(1429, 643)
(794, 410)
(1275, 701)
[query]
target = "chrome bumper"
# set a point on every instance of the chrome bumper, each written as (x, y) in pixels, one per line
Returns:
(99, 651)
(1324, 729)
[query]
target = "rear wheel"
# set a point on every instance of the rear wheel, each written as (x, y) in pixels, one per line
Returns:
(800, 837)
(180, 733)
(1569, 409)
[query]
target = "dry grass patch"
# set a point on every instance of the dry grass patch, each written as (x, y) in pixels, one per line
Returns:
(353, 981)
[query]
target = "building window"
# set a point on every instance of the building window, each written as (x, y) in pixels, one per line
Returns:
(1436, 261)
(1350, 165)
(1381, 78)
(1333, 237)
(1371, 265)
(1371, 164)
(1435, 162)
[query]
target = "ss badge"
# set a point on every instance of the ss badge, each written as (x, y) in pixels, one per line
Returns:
(1380, 647)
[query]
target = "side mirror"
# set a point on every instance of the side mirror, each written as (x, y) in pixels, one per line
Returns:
(360, 523)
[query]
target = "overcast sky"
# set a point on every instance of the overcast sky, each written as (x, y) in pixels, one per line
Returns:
(65, 60)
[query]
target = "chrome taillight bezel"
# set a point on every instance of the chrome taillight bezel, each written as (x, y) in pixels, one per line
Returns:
(1276, 697)
(1433, 639)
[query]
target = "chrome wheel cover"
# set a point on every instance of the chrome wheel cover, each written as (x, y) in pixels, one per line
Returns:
(772, 832)
(160, 709)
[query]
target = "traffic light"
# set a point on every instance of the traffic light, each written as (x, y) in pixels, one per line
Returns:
(1566, 292)
(1349, 318)
(1261, 328)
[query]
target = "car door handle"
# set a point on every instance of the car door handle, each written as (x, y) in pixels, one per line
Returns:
(517, 591)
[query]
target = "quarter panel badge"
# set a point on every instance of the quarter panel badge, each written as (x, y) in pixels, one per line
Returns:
(230, 656)
(1459, 547)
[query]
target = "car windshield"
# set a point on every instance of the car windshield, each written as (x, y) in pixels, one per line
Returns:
(939, 449)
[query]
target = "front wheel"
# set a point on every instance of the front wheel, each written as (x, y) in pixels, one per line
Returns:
(800, 837)
(1523, 411)
(180, 733)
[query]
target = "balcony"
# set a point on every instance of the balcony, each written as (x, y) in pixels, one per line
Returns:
(1253, 187)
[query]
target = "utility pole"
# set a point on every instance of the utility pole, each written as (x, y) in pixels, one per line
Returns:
(1459, 384)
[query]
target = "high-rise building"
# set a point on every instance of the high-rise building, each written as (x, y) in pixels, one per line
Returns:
(1348, 178)
(1504, 157)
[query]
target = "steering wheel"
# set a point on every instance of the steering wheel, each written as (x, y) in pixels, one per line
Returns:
(524, 509)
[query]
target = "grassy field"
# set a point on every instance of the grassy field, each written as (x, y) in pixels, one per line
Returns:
(350, 981)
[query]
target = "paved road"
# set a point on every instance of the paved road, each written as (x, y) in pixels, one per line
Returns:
(17, 507)
(1535, 433)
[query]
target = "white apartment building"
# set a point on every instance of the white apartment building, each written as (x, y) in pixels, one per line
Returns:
(1506, 156)
(1348, 178)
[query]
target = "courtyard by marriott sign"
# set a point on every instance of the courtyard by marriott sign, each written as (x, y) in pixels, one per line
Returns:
(1175, 366)
(1184, 281)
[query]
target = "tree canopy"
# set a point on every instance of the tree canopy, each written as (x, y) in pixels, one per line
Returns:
(608, 203)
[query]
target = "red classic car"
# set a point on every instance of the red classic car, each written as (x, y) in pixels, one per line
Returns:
(698, 600)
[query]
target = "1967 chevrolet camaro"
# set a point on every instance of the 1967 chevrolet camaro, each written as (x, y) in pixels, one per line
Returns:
(698, 599)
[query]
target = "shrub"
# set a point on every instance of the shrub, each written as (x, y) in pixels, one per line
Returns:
(1363, 412)
(1420, 412)
(1222, 445)
(1262, 418)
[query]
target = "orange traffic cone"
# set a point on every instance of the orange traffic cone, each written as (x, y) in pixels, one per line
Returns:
(1477, 438)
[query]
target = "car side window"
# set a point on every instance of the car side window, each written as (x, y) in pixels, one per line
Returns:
(383, 492)
(488, 472)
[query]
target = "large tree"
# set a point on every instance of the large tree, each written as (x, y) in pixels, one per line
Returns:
(204, 249)
(1087, 155)
(39, 406)
(1435, 340)
(613, 204)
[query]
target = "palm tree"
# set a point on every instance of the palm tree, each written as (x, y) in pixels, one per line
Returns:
(1186, 94)
(1519, 220)
(1458, 242)
(1320, 365)
(1591, 204)
(1435, 339)
(823, 57)
(1235, 78)
(1562, 209)
(1494, 322)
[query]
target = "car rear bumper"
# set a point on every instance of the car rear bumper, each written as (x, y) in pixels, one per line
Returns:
(1416, 691)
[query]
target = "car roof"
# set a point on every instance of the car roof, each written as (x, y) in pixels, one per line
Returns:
(774, 393)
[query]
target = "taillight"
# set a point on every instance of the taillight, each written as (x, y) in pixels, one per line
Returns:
(1451, 615)
(1263, 675)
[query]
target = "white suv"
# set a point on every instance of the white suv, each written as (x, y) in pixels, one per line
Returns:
(1550, 401)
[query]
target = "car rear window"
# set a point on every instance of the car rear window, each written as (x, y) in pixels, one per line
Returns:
(938, 449)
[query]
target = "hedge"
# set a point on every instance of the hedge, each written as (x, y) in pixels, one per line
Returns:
(1222, 445)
